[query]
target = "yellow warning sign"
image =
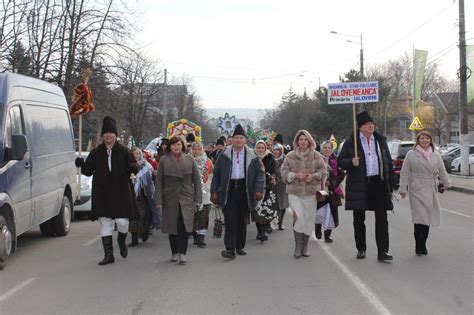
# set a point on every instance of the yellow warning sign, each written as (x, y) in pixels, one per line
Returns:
(416, 125)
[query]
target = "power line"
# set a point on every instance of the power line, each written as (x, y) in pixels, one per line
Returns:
(244, 79)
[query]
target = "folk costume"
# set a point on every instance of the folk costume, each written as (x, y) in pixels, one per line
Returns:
(302, 194)
(144, 189)
(267, 210)
(237, 176)
(280, 187)
(368, 186)
(112, 193)
(178, 191)
(201, 217)
(419, 176)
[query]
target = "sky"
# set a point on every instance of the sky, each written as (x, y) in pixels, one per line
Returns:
(248, 53)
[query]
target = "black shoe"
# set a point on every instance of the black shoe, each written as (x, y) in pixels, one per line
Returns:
(361, 254)
(263, 237)
(134, 240)
(384, 257)
(327, 236)
(230, 254)
(259, 236)
(328, 239)
(241, 252)
(281, 227)
(269, 229)
(145, 235)
(201, 243)
(317, 231)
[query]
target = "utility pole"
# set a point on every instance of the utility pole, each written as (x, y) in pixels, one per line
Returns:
(165, 109)
(361, 59)
(462, 74)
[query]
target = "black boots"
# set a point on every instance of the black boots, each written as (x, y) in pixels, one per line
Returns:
(145, 234)
(421, 235)
(200, 241)
(317, 231)
(195, 237)
(134, 239)
(108, 251)
(327, 236)
(123, 246)
(281, 215)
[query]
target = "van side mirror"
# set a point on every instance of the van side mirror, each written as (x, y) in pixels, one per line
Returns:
(19, 147)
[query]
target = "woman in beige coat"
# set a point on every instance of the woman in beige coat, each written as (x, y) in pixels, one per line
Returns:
(419, 175)
(302, 171)
(178, 193)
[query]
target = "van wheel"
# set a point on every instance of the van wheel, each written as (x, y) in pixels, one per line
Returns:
(62, 222)
(6, 241)
(46, 228)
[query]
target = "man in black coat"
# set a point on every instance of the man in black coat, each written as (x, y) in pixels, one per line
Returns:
(368, 184)
(113, 198)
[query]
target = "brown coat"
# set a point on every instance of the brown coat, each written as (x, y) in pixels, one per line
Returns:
(312, 162)
(177, 184)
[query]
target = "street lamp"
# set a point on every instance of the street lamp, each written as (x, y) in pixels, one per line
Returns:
(361, 49)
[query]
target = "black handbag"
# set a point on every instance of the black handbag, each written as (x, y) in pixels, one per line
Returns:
(217, 224)
(440, 188)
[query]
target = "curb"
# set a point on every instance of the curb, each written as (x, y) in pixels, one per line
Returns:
(462, 189)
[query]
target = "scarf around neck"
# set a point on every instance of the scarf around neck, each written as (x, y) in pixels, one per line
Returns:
(425, 153)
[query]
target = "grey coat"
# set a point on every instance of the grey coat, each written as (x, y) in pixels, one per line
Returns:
(177, 184)
(254, 175)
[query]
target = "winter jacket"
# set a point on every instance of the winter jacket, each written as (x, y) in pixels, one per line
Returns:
(356, 177)
(254, 175)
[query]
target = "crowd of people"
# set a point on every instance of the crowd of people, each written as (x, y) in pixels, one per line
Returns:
(175, 189)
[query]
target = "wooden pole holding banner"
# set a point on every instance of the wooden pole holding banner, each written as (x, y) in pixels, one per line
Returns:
(354, 123)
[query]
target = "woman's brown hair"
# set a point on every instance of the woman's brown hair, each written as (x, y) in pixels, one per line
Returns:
(173, 140)
(427, 134)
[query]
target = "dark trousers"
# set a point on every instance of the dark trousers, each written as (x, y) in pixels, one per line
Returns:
(179, 243)
(235, 215)
(376, 202)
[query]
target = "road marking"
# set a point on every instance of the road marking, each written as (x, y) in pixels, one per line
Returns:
(92, 241)
(461, 214)
(361, 286)
(16, 289)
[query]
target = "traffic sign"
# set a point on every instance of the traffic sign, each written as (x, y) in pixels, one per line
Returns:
(416, 125)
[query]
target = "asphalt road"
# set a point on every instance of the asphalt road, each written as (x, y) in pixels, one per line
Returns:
(61, 275)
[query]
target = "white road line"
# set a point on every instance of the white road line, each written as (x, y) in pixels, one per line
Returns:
(361, 286)
(461, 214)
(16, 289)
(92, 241)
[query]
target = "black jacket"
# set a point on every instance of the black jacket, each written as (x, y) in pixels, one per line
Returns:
(356, 179)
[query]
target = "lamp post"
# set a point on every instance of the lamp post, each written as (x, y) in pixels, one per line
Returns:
(361, 48)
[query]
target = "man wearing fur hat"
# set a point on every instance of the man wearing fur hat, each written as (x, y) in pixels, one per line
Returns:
(368, 184)
(111, 163)
(237, 185)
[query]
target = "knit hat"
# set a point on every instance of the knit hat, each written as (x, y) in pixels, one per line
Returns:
(109, 125)
(239, 131)
(278, 138)
(362, 118)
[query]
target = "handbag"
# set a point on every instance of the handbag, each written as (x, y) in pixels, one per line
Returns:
(321, 195)
(217, 224)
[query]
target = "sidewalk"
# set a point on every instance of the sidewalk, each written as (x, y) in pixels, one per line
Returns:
(462, 183)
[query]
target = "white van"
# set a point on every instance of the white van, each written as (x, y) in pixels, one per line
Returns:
(37, 172)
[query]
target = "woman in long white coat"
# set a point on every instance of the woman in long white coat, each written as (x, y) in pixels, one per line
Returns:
(419, 177)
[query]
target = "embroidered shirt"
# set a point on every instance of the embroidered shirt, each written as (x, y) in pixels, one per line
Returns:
(370, 152)
(109, 159)
(238, 164)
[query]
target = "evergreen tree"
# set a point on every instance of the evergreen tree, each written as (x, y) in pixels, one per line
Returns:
(19, 60)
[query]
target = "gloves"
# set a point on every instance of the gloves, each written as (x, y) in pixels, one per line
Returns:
(79, 162)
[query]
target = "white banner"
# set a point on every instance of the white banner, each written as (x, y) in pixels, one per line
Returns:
(353, 92)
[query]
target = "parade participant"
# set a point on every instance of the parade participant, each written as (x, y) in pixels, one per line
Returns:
(153, 162)
(419, 175)
(161, 149)
(368, 184)
(144, 189)
(302, 171)
(190, 139)
(265, 212)
(237, 186)
(111, 163)
(201, 217)
(178, 192)
(282, 196)
(279, 140)
(220, 147)
(229, 140)
(334, 177)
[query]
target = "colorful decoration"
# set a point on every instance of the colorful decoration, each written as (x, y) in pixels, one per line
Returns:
(333, 141)
(183, 127)
(82, 97)
(265, 135)
(227, 124)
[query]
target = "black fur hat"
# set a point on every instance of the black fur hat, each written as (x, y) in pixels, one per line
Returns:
(239, 131)
(278, 138)
(109, 125)
(362, 118)
(190, 137)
